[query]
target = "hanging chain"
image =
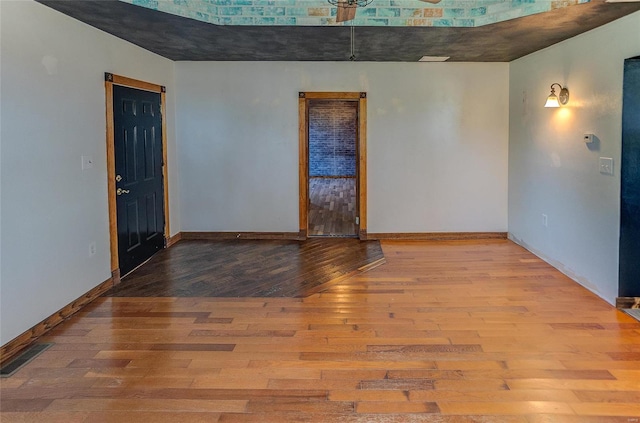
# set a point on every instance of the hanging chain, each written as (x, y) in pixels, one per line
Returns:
(353, 43)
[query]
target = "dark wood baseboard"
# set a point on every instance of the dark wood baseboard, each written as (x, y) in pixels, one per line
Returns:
(22, 341)
(437, 236)
(363, 235)
(627, 302)
(115, 276)
(240, 235)
(173, 239)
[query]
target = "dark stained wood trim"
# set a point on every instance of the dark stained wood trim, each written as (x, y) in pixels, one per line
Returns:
(110, 81)
(111, 175)
(627, 302)
(303, 165)
(437, 236)
(165, 170)
(331, 95)
(241, 235)
(135, 83)
(362, 166)
(24, 340)
(172, 240)
(303, 158)
(115, 275)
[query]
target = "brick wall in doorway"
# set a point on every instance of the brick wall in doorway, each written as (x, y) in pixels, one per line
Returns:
(332, 138)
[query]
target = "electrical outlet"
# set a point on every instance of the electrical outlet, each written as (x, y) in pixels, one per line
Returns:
(545, 221)
(87, 162)
(92, 249)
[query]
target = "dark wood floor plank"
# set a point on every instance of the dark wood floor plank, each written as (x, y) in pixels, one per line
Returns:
(192, 347)
(97, 363)
(245, 268)
(332, 206)
(8, 405)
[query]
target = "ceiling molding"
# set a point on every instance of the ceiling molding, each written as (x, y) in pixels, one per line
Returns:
(179, 38)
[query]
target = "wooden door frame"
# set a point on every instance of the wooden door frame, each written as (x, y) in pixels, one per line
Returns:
(109, 81)
(303, 156)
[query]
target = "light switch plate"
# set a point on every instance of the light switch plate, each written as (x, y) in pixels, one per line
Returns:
(606, 165)
(87, 162)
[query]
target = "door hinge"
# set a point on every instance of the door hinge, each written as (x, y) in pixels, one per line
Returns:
(357, 220)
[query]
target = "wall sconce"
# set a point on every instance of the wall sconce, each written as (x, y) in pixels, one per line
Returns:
(556, 101)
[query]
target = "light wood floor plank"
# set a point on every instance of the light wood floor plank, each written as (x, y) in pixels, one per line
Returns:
(445, 332)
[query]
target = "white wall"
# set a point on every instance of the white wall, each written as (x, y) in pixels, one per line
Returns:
(437, 140)
(552, 171)
(52, 112)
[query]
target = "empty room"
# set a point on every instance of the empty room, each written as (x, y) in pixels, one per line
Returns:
(319, 211)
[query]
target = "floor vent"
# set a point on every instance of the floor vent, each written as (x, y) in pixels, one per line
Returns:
(17, 363)
(633, 312)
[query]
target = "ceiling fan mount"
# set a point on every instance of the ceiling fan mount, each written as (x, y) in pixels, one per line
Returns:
(350, 3)
(346, 9)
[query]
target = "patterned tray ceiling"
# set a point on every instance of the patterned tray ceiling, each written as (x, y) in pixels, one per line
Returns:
(180, 38)
(447, 13)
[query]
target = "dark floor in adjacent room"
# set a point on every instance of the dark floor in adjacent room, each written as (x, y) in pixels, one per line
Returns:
(332, 207)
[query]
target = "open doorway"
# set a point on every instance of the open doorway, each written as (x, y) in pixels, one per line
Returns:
(332, 150)
(333, 164)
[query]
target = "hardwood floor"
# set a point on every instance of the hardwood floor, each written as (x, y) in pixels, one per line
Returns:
(332, 207)
(248, 268)
(465, 331)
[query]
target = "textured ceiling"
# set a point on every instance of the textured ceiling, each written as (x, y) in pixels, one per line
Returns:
(447, 13)
(180, 38)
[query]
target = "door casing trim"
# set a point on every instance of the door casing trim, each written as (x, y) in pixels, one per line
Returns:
(109, 81)
(303, 158)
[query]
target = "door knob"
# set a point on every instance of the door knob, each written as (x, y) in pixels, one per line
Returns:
(118, 178)
(121, 191)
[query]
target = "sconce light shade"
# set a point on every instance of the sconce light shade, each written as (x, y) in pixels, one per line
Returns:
(552, 101)
(555, 101)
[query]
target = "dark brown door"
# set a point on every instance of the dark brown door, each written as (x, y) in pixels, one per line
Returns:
(139, 186)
